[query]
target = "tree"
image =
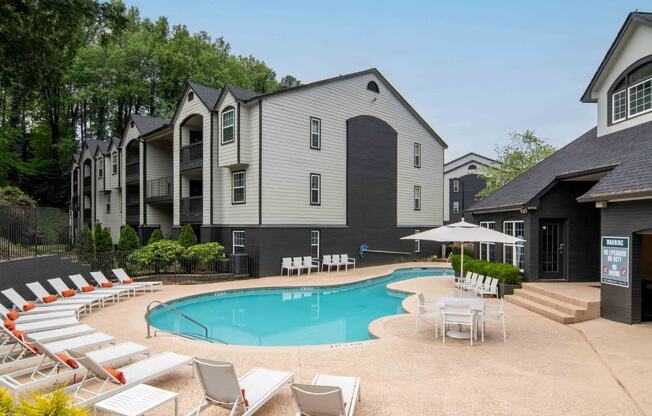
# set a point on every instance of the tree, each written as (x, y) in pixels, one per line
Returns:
(523, 152)
(11, 195)
(102, 239)
(187, 236)
(157, 235)
(289, 81)
(128, 239)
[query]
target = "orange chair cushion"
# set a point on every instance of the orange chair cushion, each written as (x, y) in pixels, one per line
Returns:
(68, 293)
(18, 334)
(33, 348)
(68, 360)
(49, 298)
(10, 325)
(86, 289)
(13, 315)
(117, 374)
(127, 281)
(106, 284)
(29, 307)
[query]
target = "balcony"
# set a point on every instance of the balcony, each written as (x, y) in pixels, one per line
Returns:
(87, 184)
(191, 156)
(191, 209)
(159, 190)
(133, 213)
(132, 174)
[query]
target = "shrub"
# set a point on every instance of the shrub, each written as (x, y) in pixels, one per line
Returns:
(162, 256)
(6, 403)
(504, 272)
(12, 195)
(128, 239)
(157, 235)
(187, 236)
(56, 403)
(204, 255)
(103, 242)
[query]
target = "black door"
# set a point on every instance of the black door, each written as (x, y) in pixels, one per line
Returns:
(552, 248)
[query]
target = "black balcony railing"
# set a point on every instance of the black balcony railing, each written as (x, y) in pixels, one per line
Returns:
(159, 189)
(132, 173)
(191, 209)
(133, 213)
(87, 184)
(191, 156)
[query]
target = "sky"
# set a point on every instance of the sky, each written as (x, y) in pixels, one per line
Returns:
(476, 71)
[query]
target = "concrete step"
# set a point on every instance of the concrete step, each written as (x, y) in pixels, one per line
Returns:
(556, 295)
(549, 302)
(540, 309)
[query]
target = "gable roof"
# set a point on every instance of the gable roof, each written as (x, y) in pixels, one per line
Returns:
(207, 95)
(147, 124)
(470, 157)
(636, 16)
(623, 154)
(241, 94)
(373, 71)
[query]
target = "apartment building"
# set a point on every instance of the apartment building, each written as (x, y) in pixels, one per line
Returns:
(334, 166)
(462, 182)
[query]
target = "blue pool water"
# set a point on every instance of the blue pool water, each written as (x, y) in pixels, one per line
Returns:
(288, 316)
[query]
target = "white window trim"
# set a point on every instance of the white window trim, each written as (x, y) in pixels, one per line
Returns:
(233, 244)
(417, 243)
(107, 203)
(416, 198)
(513, 260)
(417, 155)
(318, 189)
(485, 224)
(318, 133)
(243, 187)
(231, 110)
(456, 185)
(456, 207)
(318, 245)
(100, 168)
(115, 163)
(613, 106)
(629, 107)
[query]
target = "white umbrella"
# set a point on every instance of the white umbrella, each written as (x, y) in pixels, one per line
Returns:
(463, 232)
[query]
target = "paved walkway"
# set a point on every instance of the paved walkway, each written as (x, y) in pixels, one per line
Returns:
(545, 368)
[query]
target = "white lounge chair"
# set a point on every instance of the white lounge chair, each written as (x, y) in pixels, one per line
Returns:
(329, 262)
(479, 283)
(60, 333)
(37, 326)
(471, 283)
(132, 374)
(346, 261)
(459, 283)
(430, 310)
(327, 396)
(39, 291)
(489, 288)
(60, 286)
(79, 281)
(309, 263)
(459, 314)
(31, 308)
(286, 264)
(124, 278)
(38, 317)
(102, 280)
(221, 387)
(55, 368)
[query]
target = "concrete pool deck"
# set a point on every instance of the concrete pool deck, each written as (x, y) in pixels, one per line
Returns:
(545, 368)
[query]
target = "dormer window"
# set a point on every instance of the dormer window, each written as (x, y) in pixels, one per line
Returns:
(631, 94)
(191, 96)
(132, 124)
(228, 125)
(373, 87)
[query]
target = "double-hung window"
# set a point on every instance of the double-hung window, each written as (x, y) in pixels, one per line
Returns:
(108, 202)
(314, 243)
(514, 253)
(100, 167)
(315, 133)
(417, 198)
(114, 163)
(417, 155)
(456, 207)
(456, 185)
(417, 243)
(315, 189)
(228, 126)
(619, 106)
(487, 249)
(238, 183)
(238, 241)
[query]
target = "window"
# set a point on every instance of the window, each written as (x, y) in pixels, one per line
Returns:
(228, 126)
(456, 185)
(315, 189)
(238, 179)
(314, 243)
(417, 198)
(640, 98)
(514, 253)
(473, 167)
(373, 87)
(191, 96)
(315, 133)
(456, 207)
(487, 249)
(100, 167)
(132, 124)
(632, 93)
(107, 201)
(417, 155)
(417, 243)
(238, 241)
(619, 106)
(114, 163)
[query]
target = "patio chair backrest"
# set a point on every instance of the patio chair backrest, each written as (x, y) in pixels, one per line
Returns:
(318, 400)
(99, 277)
(474, 278)
(307, 261)
(494, 283)
(457, 311)
(120, 274)
(90, 364)
(15, 298)
(328, 259)
(51, 355)
(38, 289)
(218, 380)
(336, 258)
(3, 310)
(286, 262)
(79, 281)
(344, 257)
(296, 261)
(58, 285)
(480, 281)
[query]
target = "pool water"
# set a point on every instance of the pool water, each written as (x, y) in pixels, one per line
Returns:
(290, 316)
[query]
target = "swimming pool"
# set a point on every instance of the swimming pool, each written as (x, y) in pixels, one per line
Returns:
(290, 316)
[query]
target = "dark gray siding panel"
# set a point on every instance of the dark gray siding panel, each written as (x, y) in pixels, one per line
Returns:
(470, 185)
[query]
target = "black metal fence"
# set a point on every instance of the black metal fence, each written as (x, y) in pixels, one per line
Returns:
(33, 231)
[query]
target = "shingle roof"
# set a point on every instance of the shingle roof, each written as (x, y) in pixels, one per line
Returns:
(206, 94)
(242, 94)
(625, 153)
(103, 146)
(147, 124)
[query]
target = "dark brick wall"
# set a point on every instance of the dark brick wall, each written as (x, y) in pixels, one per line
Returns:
(470, 185)
(17, 273)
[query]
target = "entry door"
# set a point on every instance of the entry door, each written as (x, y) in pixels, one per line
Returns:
(552, 249)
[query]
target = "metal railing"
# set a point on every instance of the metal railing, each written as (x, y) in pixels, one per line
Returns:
(181, 314)
(159, 188)
(191, 152)
(33, 231)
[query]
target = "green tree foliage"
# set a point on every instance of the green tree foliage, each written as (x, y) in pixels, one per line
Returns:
(506, 273)
(187, 236)
(102, 241)
(160, 257)
(128, 239)
(11, 195)
(157, 235)
(289, 81)
(79, 69)
(523, 152)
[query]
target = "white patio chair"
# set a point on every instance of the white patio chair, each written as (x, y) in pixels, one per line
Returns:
(471, 283)
(31, 308)
(309, 263)
(459, 314)
(286, 264)
(329, 262)
(117, 291)
(337, 260)
(298, 263)
(327, 396)
(346, 261)
(60, 286)
(41, 294)
(496, 317)
(221, 387)
(429, 310)
(124, 278)
(489, 288)
(103, 281)
(459, 283)
(479, 283)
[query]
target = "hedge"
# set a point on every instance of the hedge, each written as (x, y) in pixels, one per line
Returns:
(504, 272)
